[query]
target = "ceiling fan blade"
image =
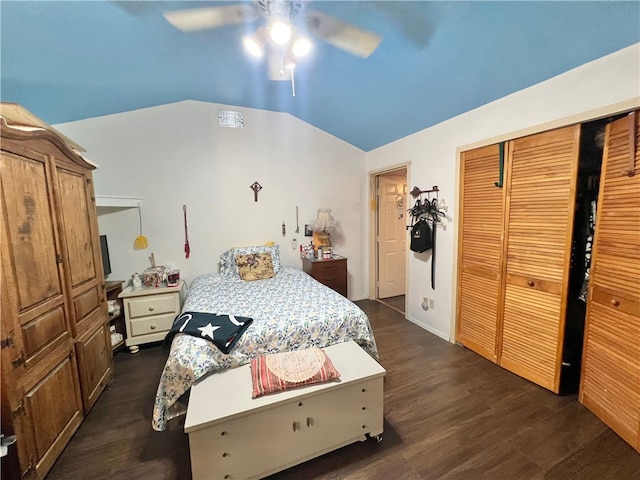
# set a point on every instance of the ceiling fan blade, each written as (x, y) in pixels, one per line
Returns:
(343, 35)
(194, 19)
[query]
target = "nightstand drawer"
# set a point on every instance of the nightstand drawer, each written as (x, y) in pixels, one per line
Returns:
(155, 324)
(330, 269)
(152, 305)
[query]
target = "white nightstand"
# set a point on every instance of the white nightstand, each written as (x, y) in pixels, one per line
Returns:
(150, 312)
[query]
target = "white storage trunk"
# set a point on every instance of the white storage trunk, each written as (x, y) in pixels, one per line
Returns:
(233, 436)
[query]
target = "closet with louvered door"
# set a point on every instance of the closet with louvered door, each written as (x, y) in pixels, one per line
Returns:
(480, 250)
(539, 214)
(610, 380)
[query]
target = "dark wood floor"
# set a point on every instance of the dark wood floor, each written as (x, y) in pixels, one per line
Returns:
(396, 302)
(449, 414)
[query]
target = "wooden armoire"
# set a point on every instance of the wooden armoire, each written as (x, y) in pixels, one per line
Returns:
(56, 349)
(518, 204)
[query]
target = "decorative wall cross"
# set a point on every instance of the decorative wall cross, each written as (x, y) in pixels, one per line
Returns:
(256, 187)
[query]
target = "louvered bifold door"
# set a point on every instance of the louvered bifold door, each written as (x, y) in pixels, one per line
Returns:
(480, 250)
(541, 181)
(610, 382)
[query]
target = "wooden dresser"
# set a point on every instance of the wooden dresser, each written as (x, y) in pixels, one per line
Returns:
(331, 272)
(56, 349)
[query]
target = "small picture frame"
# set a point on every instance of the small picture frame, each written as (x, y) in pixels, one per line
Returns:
(307, 231)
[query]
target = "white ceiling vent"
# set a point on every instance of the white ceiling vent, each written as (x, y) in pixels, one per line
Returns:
(227, 118)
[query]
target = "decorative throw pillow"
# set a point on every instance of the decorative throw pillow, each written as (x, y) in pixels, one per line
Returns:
(255, 266)
(286, 370)
(228, 262)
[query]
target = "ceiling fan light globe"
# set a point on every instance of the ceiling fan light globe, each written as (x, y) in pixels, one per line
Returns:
(252, 46)
(280, 32)
(301, 47)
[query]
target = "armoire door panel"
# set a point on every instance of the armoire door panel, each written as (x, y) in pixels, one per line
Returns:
(80, 233)
(30, 230)
(33, 279)
(541, 184)
(480, 250)
(94, 361)
(77, 226)
(43, 329)
(86, 302)
(610, 382)
(52, 404)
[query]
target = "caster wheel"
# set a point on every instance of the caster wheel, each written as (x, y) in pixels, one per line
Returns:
(378, 438)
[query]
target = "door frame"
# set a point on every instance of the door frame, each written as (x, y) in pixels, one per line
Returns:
(373, 223)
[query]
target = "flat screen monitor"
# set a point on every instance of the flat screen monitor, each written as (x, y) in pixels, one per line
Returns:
(104, 250)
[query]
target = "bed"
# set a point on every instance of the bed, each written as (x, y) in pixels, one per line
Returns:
(290, 311)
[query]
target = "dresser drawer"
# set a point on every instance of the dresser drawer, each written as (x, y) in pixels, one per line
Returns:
(330, 269)
(152, 305)
(155, 324)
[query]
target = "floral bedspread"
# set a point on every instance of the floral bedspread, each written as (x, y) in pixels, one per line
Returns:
(291, 311)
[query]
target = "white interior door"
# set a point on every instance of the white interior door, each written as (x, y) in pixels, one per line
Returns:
(392, 236)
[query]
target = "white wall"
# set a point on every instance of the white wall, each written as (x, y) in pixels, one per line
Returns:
(176, 154)
(599, 88)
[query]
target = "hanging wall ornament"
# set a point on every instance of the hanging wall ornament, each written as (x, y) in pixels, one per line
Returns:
(256, 187)
(187, 247)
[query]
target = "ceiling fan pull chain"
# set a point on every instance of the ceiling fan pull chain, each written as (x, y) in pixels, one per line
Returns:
(293, 84)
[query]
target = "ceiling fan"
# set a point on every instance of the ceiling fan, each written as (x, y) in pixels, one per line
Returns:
(284, 33)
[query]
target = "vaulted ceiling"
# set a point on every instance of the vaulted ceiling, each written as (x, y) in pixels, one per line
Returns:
(67, 61)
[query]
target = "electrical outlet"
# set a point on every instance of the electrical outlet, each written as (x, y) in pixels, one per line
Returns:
(431, 303)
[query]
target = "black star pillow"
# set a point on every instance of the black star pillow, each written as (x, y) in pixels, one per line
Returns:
(223, 330)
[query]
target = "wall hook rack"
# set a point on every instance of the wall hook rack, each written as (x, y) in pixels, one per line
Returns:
(416, 192)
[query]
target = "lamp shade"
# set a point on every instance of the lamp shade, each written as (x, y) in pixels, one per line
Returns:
(324, 222)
